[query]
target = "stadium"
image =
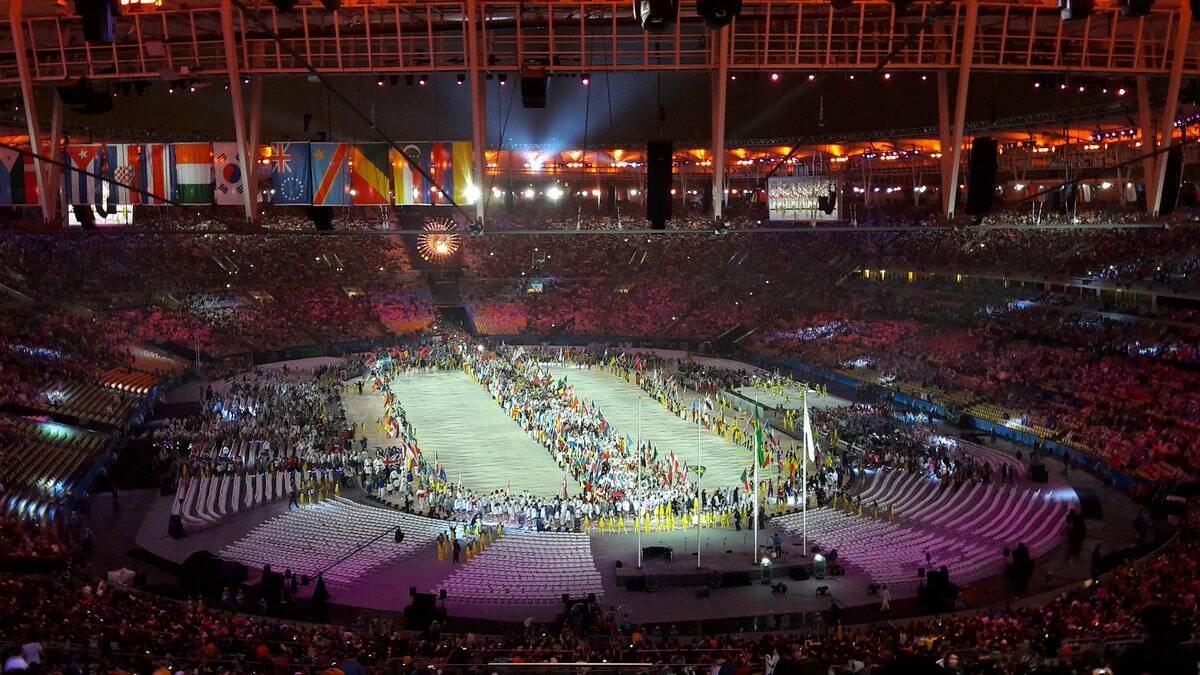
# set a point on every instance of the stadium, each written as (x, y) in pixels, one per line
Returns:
(673, 336)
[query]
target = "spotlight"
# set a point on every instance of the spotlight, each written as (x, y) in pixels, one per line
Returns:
(774, 77)
(811, 77)
(460, 78)
(379, 81)
(1121, 91)
(503, 78)
(245, 79)
(1037, 85)
(1136, 8)
(422, 80)
(655, 16)
(585, 79)
(1074, 10)
(718, 13)
(887, 76)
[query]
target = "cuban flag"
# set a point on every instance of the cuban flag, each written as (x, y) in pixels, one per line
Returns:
(80, 187)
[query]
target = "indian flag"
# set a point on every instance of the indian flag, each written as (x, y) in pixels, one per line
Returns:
(193, 173)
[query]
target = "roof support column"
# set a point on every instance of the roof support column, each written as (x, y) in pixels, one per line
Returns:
(1146, 124)
(30, 103)
(1183, 27)
(52, 180)
(944, 138)
(478, 110)
(960, 104)
(239, 117)
(250, 163)
(720, 90)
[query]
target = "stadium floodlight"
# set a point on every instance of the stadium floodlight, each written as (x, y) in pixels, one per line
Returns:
(555, 193)
(1074, 10)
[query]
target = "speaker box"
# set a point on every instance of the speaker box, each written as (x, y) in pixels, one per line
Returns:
(533, 89)
(731, 579)
(321, 217)
(175, 527)
(97, 17)
(981, 183)
(1170, 183)
(658, 183)
(1090, 506)
(1038, 473)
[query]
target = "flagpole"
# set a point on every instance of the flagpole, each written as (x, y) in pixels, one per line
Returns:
(641, 495)
(804, 473)
(699, 504)
(755, 500)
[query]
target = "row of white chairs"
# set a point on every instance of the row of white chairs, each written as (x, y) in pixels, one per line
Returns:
(311, 538)
(528, 568)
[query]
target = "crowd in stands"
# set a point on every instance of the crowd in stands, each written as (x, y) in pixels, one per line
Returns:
(1132, 620)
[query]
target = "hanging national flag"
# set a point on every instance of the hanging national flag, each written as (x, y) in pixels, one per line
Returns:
(370, 174)
(154, 173)
(290, 172)
(330, 174)
(411, 186)
(12, 177)
(193, 164)
(80, 187)
(746, 480)
(228, 169)
(450, 166)
(31, 182)
(123, 165)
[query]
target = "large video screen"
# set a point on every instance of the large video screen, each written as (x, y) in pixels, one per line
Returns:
(804, 198)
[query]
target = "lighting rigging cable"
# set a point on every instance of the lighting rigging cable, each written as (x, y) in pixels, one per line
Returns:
(348, 104)
(912, 35)
(512, 93)
(90, 174)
